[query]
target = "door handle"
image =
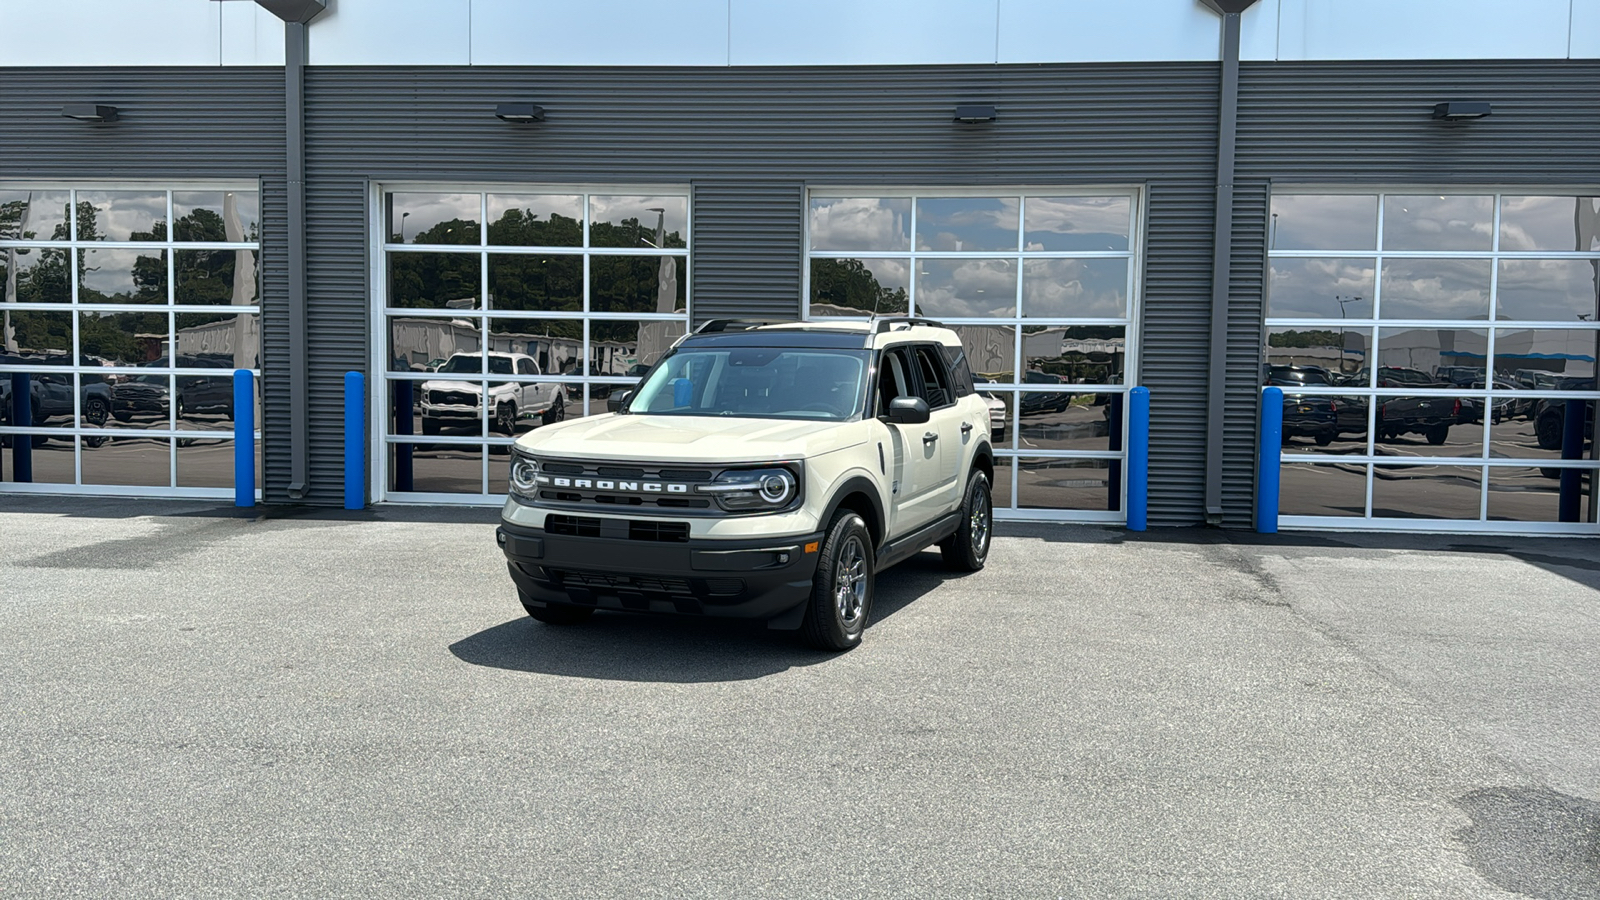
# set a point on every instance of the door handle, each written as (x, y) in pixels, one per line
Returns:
(930, 437)
(966, 428)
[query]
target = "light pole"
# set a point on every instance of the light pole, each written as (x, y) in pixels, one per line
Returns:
(1342, 301)
(1272, 240)
(403, 226)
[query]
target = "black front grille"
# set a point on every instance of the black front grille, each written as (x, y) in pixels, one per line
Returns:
(617, 486)
(455, 398)
(577, 526)
(664, 532)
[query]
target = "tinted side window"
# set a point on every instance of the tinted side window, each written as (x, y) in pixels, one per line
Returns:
(525, 367)
(935, 383)
(960, 372)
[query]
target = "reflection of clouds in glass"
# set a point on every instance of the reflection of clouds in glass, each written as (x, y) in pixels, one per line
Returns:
(1312, 288)
(33, 215)
(861, 224)
(1077, 223)
(1061, 288)
(616, 209)
(119, 215)
(967, 223)
(111, 272)
(1437, 223)
(1548, 289)
(1550, 223)
(966, 287)
(413, 214)
(1323, 222)
(542, 206)
(1435, 289)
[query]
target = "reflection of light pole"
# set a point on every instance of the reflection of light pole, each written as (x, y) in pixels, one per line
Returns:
(1272, 239)
(661, 223)
(1342, 301)
(403, 226)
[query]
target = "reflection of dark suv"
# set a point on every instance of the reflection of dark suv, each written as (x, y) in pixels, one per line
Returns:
(1550, 413)
(51, 394)
(1429, 416)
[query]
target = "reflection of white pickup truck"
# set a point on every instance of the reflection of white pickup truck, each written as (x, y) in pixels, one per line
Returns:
(458, 404)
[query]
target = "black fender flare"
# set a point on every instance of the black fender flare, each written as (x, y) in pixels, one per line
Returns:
(863, 485)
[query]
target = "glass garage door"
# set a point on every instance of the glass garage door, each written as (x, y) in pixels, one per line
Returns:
(126, 309)
(1437, 355)
(1041, 285)
(502, 310)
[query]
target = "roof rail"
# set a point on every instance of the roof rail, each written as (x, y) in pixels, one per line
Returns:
(715, 325)
(879, 326)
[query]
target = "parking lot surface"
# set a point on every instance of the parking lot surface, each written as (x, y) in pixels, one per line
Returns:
(202, 703)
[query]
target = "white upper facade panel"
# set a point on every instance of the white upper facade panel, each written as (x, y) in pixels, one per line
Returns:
(769, 32)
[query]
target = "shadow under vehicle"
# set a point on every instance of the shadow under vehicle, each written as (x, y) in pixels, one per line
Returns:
(1550, 413)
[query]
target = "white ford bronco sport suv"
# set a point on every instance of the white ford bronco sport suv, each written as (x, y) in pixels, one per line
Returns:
(760, 470)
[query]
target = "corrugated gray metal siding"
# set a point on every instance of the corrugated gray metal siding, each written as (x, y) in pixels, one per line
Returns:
(748, 241)
(1331, 123)
(748, 141)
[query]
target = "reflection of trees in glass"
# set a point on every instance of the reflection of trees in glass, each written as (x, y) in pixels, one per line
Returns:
(37, 332)
(1302, 339)
(630, 284)
(112, 335)
(47, 280)
(524, 282)
(848, 283)
(432, 279)
(631, 233)
(522, 228)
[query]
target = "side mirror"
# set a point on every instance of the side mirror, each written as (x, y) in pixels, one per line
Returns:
(617, 401)
(908, 410)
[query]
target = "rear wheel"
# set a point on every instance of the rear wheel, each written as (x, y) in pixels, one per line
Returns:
(1323, 439)
(557, 410)
(1548, 430)
(968, 549)
(841, 591)
(1438, 434)
(555, 613)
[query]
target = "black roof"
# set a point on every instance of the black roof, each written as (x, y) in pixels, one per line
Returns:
(813, 338)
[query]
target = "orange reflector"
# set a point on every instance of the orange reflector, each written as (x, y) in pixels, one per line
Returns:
(811, 547)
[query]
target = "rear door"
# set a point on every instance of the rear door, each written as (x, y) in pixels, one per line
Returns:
(913, 450)
(944, 426)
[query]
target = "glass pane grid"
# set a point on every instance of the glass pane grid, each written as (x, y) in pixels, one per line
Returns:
(1465, 399)
(1038, 284)
(538, 314)
(121, 258)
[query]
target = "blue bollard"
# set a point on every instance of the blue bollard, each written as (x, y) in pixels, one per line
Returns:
(1138, 458)
(21, 417)
(244, 438)
(355, 440)
(1268, 453)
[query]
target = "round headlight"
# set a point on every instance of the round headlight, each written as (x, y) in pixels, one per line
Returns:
(524, 471)
(777, 487)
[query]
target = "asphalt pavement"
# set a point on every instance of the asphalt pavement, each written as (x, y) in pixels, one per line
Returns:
(203, 702)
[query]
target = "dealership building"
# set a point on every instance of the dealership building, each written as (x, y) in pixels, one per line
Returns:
(514, 207)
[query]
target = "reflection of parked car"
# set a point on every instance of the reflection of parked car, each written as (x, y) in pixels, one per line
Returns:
(1507, 405)
(1319, 417)
(1550, 413)
(205, 394)
(145, 396)
(460, 403)
(1429, 416)
(1035, 402)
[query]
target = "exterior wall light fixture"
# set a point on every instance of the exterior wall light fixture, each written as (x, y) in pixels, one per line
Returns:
(974, 114)
(521, 113)
(90, 112)
(1460, 110)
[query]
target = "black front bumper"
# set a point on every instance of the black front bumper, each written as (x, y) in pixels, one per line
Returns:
(753, 579)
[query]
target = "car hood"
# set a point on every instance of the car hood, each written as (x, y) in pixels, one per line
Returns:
(470, 387)
(698, 439)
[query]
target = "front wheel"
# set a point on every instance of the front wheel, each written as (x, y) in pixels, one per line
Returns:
(841, 591)
(968, 549)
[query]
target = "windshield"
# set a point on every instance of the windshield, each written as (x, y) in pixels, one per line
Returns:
(463, 364)
(757, 383)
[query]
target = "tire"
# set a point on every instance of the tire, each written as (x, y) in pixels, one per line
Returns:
(430, 426)
(557, 411)
(968, 549)
(1323, 439)
(842, 589)
(1438, 434)
(505, 418)
(555, 613)
(96, 411)
(123, 415)
(1548, 429)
